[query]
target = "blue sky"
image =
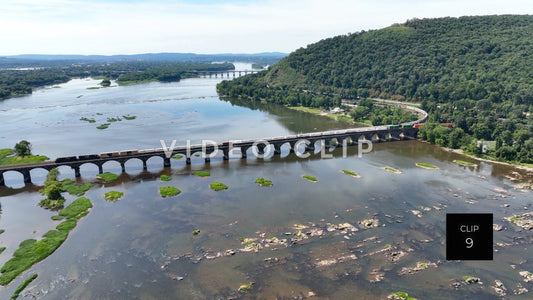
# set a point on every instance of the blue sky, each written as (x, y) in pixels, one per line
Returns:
(209, 26)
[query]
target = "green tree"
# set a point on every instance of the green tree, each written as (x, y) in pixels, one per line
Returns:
(53, 191)
(23, 148)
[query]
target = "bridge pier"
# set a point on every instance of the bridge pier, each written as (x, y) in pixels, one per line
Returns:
(76, 169)
(243, 152)
(207, 159)
(277, 149)
(166, 162)
(2, 182)
(100, 169)
(123, 167)
(145, 165)
(260, 149)
(225, 154)
(27, 176)
(188, 160)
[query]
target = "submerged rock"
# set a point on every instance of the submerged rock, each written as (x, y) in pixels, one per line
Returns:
(369, 223)
(524, 221)
(526, 275)
(499, 288)
(419, 267)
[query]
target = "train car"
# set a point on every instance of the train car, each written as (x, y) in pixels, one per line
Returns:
(407, 126)
(128, 152)
(88, 157)
(66, 159)
(419, 125)
(446, 124)
(394, 126)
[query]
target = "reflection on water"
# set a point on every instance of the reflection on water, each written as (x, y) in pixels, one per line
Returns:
(142, 246)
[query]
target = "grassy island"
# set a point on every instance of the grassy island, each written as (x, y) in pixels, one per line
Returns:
(310, 178)
(426, 166)
(165, 178)
(177, 156)
(107, 177)
(128, 117)
(169, 191)
(218, 186)
(88, 120)
(264, 182)
(23, 285)
(392, 170)
(113, 195)
(464, 163)
(8, 157)
(347, 172)
(400, 296)
(201, 173)
(103, 126)
(32, 251)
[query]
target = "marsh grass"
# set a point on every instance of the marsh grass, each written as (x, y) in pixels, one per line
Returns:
(113, 195)
(32, 251)
(169, 191)
(107, 177)
(218, 186)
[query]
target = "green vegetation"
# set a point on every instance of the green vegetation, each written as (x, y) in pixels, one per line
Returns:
(392, 170)
(93, 88)
(105, 83)
(310, 178)
(2, 231)
(21, 154)
(464, 163)
(23, 148)
(77, 209)
(218, 186)
(264, 182)
(177, 156)
(169, 73)
(113, 195)
(169, 191)
(196, 232)
(107, 177)
(347, 172)
(400, 296)
(2, 249)
(165, 178)
(128, 117)
(515, 219)
(466, 277)
(426, 165)
(88, 120)
(75, 189)
(201, 173)
(23, 285)
(53, 189)
(246, 287)
(111, 120)
(103, 126)
(32, 251)
(469, 71)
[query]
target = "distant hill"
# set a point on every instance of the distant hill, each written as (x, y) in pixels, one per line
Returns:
(476, 72)
(45, 59)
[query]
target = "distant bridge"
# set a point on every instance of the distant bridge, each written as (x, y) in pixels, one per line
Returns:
(215, 74)
(343, 137)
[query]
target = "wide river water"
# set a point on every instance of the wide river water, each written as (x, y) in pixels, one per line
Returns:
(142, 246)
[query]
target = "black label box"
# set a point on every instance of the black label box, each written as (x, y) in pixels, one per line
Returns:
(469, 236)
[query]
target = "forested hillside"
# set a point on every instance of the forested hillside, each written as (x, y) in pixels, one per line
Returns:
(476, 72)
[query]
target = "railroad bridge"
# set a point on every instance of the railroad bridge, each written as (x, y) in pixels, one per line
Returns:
(326, 138)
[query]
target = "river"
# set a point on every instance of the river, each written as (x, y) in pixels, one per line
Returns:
(142, 246)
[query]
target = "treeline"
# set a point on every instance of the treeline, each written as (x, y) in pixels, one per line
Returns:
(169, 73)
(476, 72)
(22, 82)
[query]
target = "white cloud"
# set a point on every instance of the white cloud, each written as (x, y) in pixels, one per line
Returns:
(111, 27)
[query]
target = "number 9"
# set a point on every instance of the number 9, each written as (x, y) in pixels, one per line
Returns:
(469, 243)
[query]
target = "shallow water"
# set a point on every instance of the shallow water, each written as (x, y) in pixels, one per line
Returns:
(142, 246)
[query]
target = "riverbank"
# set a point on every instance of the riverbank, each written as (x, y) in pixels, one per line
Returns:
(461, 152)
(320, 112)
